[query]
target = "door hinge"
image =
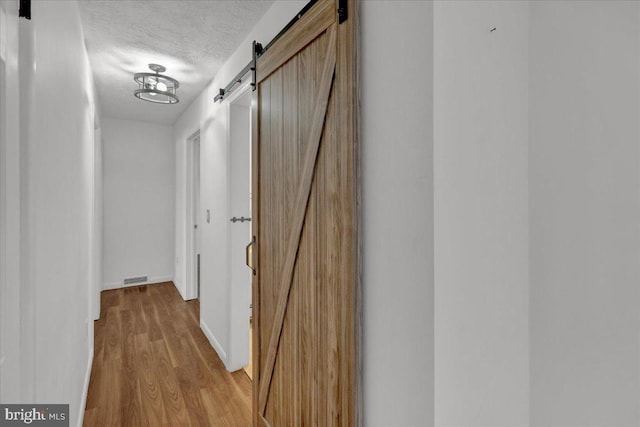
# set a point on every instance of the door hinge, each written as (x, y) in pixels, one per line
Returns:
(343, 11)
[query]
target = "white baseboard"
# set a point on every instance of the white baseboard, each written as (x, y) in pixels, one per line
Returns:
(234, 368)
(159, 279)
(214, 343)
(85, 389)
(178, 286)
(152, 281)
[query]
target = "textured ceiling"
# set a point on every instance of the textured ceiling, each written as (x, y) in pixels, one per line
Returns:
(192, 39)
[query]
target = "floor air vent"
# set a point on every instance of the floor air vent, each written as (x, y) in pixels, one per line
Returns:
(134, 280)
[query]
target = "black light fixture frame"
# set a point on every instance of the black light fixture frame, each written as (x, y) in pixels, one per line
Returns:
(148, 86)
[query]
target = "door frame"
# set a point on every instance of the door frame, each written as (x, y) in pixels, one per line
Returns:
(191, 285)
(235, 307)
(96, 225)
(348, 66)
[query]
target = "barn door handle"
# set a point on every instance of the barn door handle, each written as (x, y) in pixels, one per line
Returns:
(249, 255)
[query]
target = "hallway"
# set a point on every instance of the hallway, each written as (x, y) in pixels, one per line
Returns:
(456, 245)
(153, 365)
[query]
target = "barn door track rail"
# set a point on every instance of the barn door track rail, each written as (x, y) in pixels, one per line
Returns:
(258, 50)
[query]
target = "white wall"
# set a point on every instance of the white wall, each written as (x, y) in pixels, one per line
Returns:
(54, 195)
(240, 232)
(585, 213)
(481, 214)
(139, 201)
(211, 119)
(397, 180)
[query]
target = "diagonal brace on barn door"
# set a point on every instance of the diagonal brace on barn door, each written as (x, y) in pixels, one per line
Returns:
(299, 212)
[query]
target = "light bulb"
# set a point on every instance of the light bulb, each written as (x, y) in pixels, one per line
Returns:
(161, 87)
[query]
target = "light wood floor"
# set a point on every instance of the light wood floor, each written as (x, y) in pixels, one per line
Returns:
(249, 368)
(153, 366)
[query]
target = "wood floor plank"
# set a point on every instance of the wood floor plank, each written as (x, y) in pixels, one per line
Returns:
(112, 347)
(150, 395)
(195, 408)
(109, 411)
(172, 397)
(153, 366)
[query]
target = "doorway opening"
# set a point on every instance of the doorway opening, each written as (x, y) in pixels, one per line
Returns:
(239, 225)
(194, 233)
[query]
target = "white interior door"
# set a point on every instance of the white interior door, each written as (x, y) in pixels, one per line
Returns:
(197, 226)
(240, 231)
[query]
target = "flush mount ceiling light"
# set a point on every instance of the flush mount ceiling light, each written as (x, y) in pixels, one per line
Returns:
(155, 87)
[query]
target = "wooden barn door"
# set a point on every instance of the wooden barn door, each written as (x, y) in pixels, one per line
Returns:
(305, 204)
